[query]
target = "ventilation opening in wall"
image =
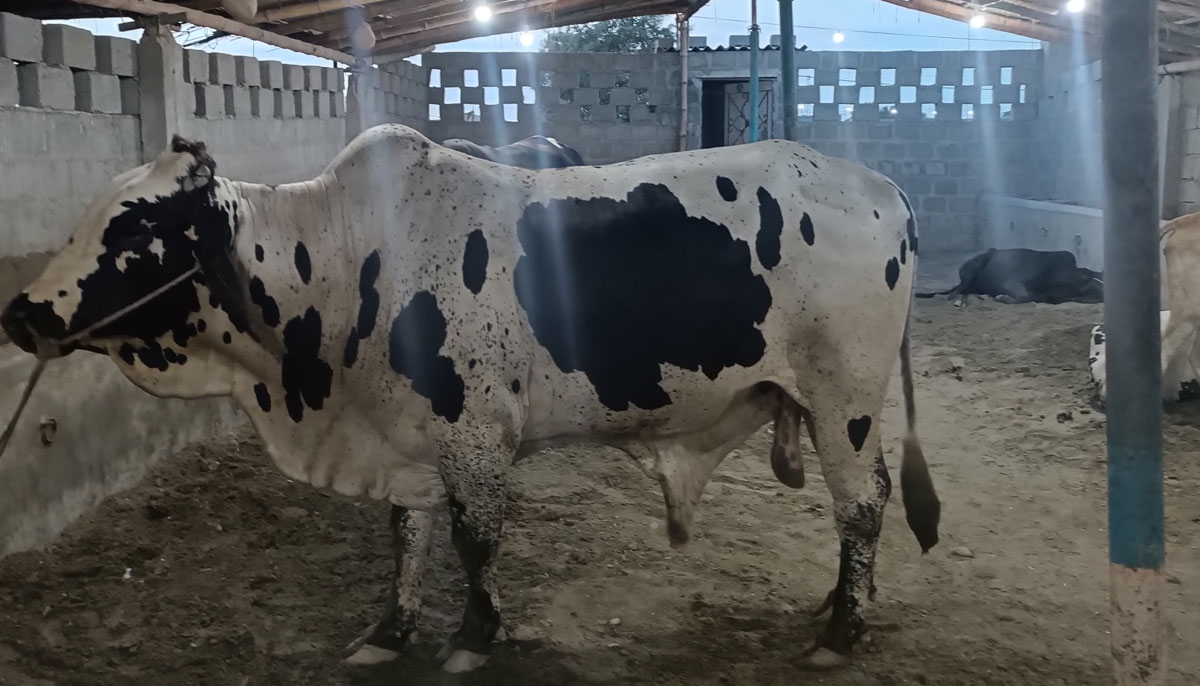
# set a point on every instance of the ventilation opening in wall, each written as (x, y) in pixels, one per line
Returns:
(508, 77)
(622, 79)
(805, 111)
(826, 96)
(928, 110)
(985, 95)
(451, 96)
(471, 113)
(908, 94)
(968, 76)
(585, 79)
(641, 96)
(585, 113)
(471, 78)
(623, 114)
(947, 94)
(491, 95)
(435, 78)
(887, 77)
(887, 111)
(967, 112)
(928, 76)
(847, 77)
(1006, 76)
(546, 79)
(866, 95)
(806, 77)
(566, 96)
(1006, 111)
(1021, 94)
(605, 96)
(510, 113)
(528, 95)
(845, 112)
(435, 112)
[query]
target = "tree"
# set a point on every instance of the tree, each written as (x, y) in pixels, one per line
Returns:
(635, 34)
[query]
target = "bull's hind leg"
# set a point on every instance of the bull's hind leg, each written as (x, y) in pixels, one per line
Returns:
(476, 495)
(858, 480)
(385, 641)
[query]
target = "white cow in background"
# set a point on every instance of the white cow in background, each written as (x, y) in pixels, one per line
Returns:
(1181, 382)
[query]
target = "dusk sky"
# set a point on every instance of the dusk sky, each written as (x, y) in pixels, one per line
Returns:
(866, 25)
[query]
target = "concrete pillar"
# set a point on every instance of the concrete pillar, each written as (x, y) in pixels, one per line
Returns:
(161, 101)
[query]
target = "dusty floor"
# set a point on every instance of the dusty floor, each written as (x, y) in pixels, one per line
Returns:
(238, 577)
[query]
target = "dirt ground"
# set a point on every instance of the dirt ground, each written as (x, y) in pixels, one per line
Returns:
(217, 570)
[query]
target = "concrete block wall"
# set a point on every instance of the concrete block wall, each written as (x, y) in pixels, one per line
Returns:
(392, 93)
(264, 121)
(609, 107)
(1189, 142)
(1069, 158)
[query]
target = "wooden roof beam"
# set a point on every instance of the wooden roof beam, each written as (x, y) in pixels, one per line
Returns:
(308, 9)
(1026, 28)
(334, 20)
(434, 19)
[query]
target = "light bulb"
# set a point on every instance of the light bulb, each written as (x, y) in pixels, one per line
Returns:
(978, 21)
(838, 37)
(1076, 5)
(483, 13)
(526, 38)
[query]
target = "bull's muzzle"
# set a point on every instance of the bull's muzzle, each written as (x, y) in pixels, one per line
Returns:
(26, 322)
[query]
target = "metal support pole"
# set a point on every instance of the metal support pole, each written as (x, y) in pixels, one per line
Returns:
(787, 46)
(681, 28)
(1131, 295)
(753, 71)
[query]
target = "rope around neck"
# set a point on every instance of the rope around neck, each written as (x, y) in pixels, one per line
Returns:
(43, 353)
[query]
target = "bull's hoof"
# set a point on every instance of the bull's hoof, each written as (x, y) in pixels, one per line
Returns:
(369, 654)
(462, 661)
(823, 660)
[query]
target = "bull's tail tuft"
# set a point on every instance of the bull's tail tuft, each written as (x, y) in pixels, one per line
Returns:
(922, 509)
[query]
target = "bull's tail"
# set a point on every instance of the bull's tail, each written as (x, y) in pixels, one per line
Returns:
(948, 291)
(922, 509)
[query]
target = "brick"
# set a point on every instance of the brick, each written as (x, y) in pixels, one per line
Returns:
(195, 66)
(320, 108)
(247, 72)
(973, 186)
(935, 169)
(293, 77)
(920, 151)
(933, 203)
(41, 85)
(337, 104)
(909, 168)
(221, 69)
(285, 104)
(331, 79)
(894, 151)
(68, 46)
(20, 38)
(918, 185)
(96, 92)
(934, 133)
(946, 187)
(131, 101)
(116, 56)
(210, 101)
(243, 107)
(313, 79)
(962, 204)
(10, 94)
(867, 150)
(271, 74)
(304, 105)
(887, 168)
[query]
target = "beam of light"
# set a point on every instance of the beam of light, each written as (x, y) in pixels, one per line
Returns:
(526, 38)
(838, 37)
(1076, 6)
(483, 13)
(978, 21)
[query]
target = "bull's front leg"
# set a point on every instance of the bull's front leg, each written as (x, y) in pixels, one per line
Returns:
(411, 532)
(476, 490)
(860, 487)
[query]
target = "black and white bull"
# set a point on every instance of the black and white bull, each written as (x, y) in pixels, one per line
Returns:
(535, 152)
(410, 345)
(1021, 275)
(1181, 380)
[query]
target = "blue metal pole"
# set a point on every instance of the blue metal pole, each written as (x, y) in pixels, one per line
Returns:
(1129, 50)
(753, 71)
(787, 70)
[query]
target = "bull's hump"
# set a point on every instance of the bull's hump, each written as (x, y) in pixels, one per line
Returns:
(637, 299)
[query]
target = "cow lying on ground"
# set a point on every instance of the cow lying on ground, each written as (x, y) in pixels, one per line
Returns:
(1181, 381)
(535, 152)
(1020, 275)
(409, 346)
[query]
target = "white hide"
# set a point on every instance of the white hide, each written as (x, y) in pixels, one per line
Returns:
(1178, 380)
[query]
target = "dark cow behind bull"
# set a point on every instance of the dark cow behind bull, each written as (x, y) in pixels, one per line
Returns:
(1021, 275)
(535, 152)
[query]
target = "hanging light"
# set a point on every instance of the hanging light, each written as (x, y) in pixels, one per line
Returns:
(483, 13)
(1076, 6)
(978, 21)
(838, 37)
(526, 38)
(362, 37)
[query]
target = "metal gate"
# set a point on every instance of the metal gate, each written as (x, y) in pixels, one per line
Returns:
(737, 111)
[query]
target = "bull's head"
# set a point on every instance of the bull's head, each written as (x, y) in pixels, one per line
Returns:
(151, 227)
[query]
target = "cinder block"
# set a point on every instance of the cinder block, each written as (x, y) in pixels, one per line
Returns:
(116, 56)
(210, 101)
(304, 104)
(320, 105)
(271, 74)
(246, 71)
(20, 38)
(10, 94)
(221, 69)
(933, 203)
(237, 102)
(946, 187)
(261, 104)
(96, 92)
(293, 77)
(337, 105)
(285, 104)
(312, 78)
(131, 101)
(68, 46)
(195, 66)
(41, 85)
(893, 151)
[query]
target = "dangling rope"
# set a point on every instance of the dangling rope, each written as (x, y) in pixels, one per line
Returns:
(43, 354)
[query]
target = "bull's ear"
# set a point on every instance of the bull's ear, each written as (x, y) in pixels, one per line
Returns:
(203, 168)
